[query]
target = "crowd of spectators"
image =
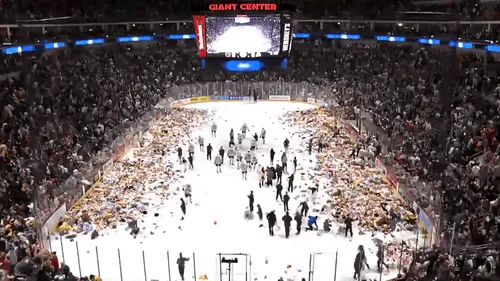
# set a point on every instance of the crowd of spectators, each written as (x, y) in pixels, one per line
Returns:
(66, 106)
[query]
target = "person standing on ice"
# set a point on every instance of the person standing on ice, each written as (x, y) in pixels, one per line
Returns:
(263, 135)
(294, 161)
(209, 152)
(298, 220)
(183, 208)
(253, 145)
(231, 135)
(187, 193)
(348, 225)
(244, 170)
(248, 158)
(279, 173)
(271, 156)
(244, 130)
(250, 201)
(218, 163)
(181, 265)
(185, 164)
(360, 262)
(269, 176)
(320, 145)
(259, 212)
(286, 199)
(287, 220)
(261, 174)
(290, 183)
(231, 154)
(286, 144)
(254, 161)
(214, 130)
(279, 189)
(304, 208)
(256, 137)
(201, 143)
(271, 222)
(284, 161)
(240, 139)
(191, 159)
(221, 153)
(239, 157)
(179, 154)
(310, 146)
(191, 149)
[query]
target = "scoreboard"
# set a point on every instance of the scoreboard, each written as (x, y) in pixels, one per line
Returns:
(243, 31)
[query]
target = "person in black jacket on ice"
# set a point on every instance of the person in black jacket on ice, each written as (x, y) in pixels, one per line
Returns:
(305, 208)
(359, 261)
(190, 159)
(179, 154)
(271, 222)
(259, 212)
(279, 172)
(183, 208)
(348, 225)
(271, 155)
(181, 265)
(279, 188)
(287, 219)
(290, 182)
(294, 161)
(286, 198)
(250, 201)
(380, 259)
(209, 152)
(298, 219)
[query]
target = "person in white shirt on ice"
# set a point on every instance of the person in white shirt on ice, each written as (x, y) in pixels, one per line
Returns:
(240, 139)
(263, 135)
(244, 130)
(239, 157)
(214, 130)
(248, 158)
(218, 163)
(244, 170)
(187, 193)
(191, 149)
(231, 153)
(253, 145)
(254, 161)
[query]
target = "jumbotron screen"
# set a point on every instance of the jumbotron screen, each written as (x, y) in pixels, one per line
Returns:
(226, 36)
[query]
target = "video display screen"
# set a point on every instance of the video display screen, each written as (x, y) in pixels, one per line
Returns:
(243, 34)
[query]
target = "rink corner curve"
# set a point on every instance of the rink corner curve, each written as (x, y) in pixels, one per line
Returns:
(51, 225)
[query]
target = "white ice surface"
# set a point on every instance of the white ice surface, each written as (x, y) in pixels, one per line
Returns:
(223, 198)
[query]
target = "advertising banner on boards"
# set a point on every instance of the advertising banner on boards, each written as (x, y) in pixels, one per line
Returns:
(235, 97)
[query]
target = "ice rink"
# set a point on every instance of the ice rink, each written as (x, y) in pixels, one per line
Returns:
(215, 222)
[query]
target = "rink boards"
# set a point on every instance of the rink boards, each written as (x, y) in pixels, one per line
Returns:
(278, 98)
